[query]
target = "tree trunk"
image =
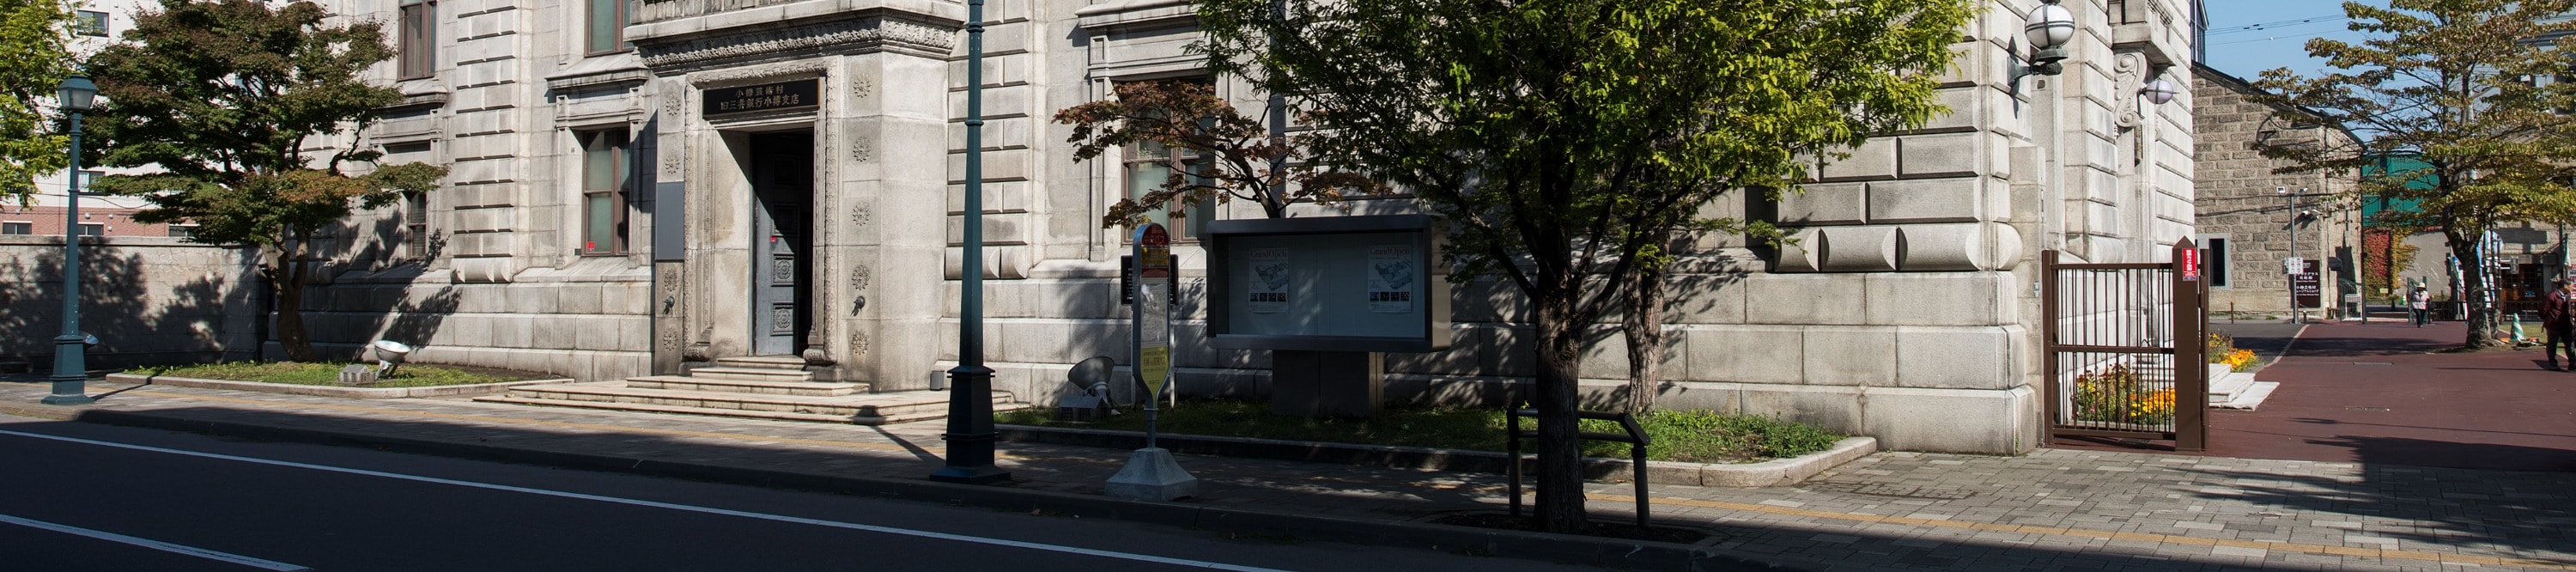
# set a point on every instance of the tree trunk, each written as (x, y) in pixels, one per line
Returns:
(290, 304)
(2475, 277)
(1560, 453)
(1643, 325)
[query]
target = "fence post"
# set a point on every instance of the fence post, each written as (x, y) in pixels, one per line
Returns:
(2191, 346)
(2048, 344)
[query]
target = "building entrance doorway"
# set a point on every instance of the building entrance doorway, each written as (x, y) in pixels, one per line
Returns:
(782, 174)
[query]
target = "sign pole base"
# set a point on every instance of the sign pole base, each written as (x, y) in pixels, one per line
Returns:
(1152, 475)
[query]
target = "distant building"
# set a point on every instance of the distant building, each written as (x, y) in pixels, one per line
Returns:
(2245, 209)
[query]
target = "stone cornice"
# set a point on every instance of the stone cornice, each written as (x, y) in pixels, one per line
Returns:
(1136, 14)
(869, 33)
(927, 28)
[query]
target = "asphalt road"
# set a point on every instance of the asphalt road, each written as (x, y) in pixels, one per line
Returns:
(87, 497)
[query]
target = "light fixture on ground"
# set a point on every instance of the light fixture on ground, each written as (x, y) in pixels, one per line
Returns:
(389, 355)
(71, 375)
(2049, 28)
(970, 384)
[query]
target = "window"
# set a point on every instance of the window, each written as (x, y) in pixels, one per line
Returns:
(1149, 165)
(603, 192)
(17, 228)
(89, 179)
(93, 229)
(417, 46)
(607, 26)
(416, 226)
(2214, 252)
(90, 23)
(183, 231)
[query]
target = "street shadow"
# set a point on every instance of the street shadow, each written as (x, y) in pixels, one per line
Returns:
(2524, 509)
(2362, 347)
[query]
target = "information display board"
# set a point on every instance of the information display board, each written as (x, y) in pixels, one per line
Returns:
(1152, 310)
(1349, 283)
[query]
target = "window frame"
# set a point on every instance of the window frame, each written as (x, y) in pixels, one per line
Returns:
(623, 15)
(86, 226)
(182, 230)
(2216, 254)
(25, 228)
(620, 157)
(416, 39)
(415, 223)
(1133, 156)
(81, 24)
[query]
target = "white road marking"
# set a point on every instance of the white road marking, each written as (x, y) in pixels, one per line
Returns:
(671, 506)
(156, 545)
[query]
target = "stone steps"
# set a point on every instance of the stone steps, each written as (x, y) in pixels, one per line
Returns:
(863, 409)
(2252, 397)
(759, 386)
(763, 362)
(753, 374)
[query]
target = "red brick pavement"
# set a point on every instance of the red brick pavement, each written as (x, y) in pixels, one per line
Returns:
(2378, 393)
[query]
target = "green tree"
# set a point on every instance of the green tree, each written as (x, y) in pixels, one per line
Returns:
(32, 61)
(2470, 87)
(1246, 162)
(249, 111)
(1565, 141)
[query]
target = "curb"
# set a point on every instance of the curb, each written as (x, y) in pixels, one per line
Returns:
(468, 390)
(1417, 535)
(1772, 473)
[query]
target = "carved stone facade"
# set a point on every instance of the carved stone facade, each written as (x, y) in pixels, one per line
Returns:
(1905, 311)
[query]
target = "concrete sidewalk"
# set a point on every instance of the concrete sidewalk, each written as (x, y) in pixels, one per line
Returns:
(2056, 509)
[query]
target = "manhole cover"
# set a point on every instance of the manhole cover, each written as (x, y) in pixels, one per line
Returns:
(2365, 409)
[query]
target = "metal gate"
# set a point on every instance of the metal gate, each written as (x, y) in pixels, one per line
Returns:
(2125, 348)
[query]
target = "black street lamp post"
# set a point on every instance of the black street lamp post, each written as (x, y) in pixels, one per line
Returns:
(70, 362)
(970, 384)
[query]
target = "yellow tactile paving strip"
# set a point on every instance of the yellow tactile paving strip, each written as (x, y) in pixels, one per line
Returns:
(2315, 549)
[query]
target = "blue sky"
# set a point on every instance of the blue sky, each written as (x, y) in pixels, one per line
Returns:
(2244, 51)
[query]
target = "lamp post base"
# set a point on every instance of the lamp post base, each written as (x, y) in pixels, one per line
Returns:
(983, 475)
(73, 399)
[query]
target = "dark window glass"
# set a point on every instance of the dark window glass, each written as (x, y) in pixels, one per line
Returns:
(183, 231)
(603, 192)
(606, 26)
(417, 49)
(416, 226)
(17, 228)
(90, 23)
(93, 229)
(2213, 256)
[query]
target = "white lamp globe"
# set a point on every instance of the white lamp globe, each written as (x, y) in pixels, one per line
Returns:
(2050, 26)
(2160, 91)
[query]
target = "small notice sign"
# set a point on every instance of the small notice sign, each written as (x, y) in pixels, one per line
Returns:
(1390, 279)
(2188, 265)
(1268, 293)
(781, 96)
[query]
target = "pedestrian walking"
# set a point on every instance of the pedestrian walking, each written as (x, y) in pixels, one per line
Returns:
(2553, 318)
(2420, 303)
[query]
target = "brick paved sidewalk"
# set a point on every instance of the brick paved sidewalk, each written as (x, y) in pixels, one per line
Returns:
(2057, 509)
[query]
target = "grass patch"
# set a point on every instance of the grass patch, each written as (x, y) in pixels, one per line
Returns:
(304, 373)
(1696, 436)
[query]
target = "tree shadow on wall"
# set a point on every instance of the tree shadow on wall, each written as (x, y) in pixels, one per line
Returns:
(370, 297)
(196, 319)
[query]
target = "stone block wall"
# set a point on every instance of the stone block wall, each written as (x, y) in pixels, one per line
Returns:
(2241, 200)
(149, 301)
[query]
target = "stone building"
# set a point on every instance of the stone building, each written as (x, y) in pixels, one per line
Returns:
(657, 187)
(2245, 209)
